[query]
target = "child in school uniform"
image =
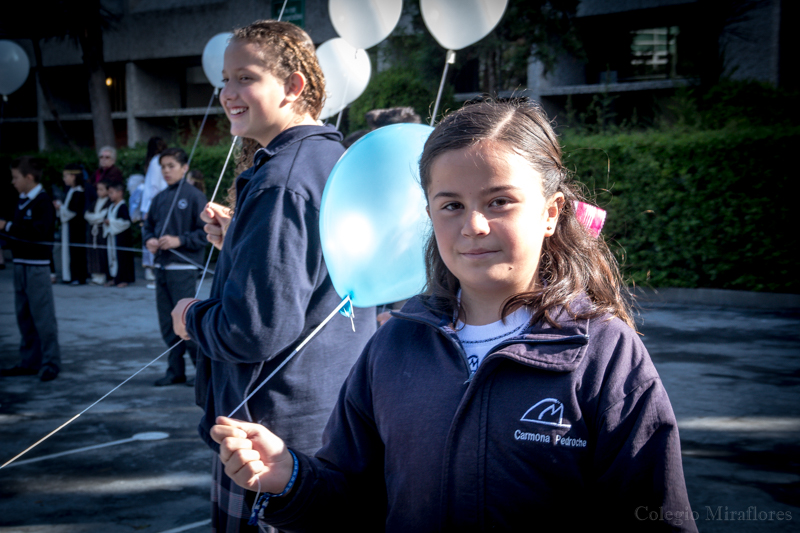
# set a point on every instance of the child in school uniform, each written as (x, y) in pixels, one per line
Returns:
(97, 255)
(173, 223)
(117, 231)
(271, 286)
(73, 226)
(34, 220)
(514, 394)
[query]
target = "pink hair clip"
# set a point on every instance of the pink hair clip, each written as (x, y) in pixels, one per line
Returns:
(592, 217)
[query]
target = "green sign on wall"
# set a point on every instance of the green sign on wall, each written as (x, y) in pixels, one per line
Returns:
(295, 11)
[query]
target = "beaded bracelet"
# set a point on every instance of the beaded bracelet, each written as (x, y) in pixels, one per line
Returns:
(262, 502)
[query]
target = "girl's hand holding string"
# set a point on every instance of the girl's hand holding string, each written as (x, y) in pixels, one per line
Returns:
(254, 457)
(217, 218)
(179, 317)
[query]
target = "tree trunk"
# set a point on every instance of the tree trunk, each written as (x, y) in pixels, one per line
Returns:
(92, 45)
(48, 96)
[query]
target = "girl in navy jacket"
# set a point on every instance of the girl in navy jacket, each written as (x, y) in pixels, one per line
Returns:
(514, 394)
(271, 286)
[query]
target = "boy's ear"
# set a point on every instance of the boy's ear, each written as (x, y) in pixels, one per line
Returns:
(294, 86)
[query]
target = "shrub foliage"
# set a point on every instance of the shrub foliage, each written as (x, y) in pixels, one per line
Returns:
(696, 209)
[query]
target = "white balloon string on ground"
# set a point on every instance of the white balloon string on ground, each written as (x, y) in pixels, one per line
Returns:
(451, 58)
(65, 424)
(345, 301)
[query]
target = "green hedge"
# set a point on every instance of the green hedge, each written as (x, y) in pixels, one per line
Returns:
(699, 209)
(208, 159)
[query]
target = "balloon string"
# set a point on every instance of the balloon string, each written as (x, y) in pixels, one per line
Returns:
(224, 167)
(450, 58)
(5, 235)
(282, 8)
(291, 355)
(203, 276)
(65, 424)
(344, 99)
(188, 163)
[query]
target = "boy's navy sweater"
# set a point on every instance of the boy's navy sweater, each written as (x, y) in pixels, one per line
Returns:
(558, 429)
(184, 222)
(271, 289)
(34, 220)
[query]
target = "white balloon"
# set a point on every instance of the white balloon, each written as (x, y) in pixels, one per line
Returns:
(347, 71)
(364, 23)
(213, 56)
(14, 67)
(456, 24)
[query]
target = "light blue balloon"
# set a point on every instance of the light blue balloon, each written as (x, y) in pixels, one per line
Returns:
(373, 222)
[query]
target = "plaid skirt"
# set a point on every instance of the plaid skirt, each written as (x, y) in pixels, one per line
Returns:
(230, 503)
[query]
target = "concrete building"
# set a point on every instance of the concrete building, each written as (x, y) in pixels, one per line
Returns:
(636, 50)
(642, 50)
(153, 67)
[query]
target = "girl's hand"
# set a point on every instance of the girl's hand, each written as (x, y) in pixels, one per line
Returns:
(169, 241)
(217, 218)
(254, 457)
(106, 222)
(152, 245)
(179, 317)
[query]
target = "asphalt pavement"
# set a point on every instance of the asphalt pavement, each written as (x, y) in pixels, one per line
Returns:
(133, 462)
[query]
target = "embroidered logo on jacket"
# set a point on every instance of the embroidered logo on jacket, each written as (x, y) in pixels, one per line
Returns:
(182, 203)
(549, 412)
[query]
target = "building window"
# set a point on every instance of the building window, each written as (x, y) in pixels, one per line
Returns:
(654, 53)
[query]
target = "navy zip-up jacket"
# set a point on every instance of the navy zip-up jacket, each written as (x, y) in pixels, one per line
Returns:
(271, 289)
(184, 222)
(558, 428)
(34, 220)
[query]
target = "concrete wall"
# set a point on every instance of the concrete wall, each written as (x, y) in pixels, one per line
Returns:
(751, 45)
(158, 29)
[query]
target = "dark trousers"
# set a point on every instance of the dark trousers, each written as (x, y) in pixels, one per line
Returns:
(171, 286)
(36, 317)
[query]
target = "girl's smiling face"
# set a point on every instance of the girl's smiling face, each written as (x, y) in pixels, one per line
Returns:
(490, 217)
(102, 192)
(258, 105)
(172, 170)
